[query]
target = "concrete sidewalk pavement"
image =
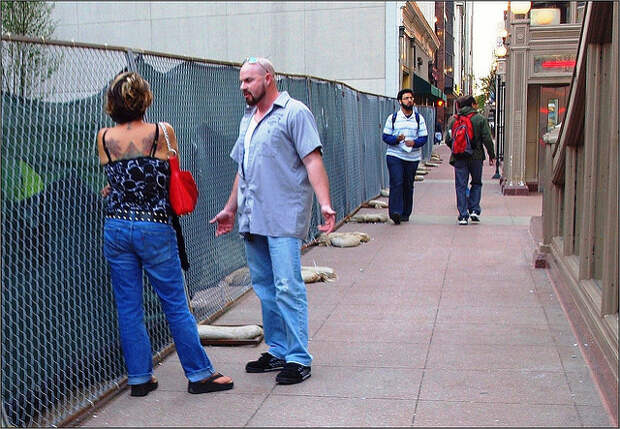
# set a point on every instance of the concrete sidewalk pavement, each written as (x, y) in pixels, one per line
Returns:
(428, 324)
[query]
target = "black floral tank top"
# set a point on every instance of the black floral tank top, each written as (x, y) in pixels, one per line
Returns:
(138, 184)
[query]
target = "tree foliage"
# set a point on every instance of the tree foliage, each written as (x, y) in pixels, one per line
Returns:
(25, 66)
(28, 18)
(487, 86)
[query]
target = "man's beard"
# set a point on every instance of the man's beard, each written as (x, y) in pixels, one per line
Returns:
(254, 100)
(406, 107)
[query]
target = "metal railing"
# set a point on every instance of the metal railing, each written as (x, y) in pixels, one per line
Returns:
(60, 348)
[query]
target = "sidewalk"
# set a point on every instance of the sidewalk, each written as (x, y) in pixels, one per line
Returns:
(428, 324)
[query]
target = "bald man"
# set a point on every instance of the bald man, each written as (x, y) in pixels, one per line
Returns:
(279, 154)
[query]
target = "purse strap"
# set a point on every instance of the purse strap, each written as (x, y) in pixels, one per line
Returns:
(163, 128)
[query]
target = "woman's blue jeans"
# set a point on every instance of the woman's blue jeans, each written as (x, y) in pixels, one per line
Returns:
(130, 246)
(275, 268)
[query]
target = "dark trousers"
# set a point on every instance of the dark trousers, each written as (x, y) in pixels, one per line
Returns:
(402, 176)
(463, 168)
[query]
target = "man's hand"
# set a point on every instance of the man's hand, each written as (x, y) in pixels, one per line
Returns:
(400, 137)
(225, 222)
(105, 191)
(330, 219)
(409, 143)
(491, 161)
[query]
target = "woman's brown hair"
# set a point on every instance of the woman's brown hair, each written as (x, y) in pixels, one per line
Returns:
(128, 97)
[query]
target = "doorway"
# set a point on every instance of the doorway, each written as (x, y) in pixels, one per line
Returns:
(545, 112)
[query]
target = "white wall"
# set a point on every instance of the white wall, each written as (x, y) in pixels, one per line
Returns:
(343, 41)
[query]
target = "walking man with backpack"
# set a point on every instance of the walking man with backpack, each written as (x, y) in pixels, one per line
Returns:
(468, 133)
(405, 134)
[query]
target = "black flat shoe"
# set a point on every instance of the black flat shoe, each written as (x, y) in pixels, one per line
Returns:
(144, 388)
(209, 385)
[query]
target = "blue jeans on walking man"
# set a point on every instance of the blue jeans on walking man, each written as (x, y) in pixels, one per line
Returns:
(130, 246)
(465, 203)
(402, 177)
(275, 269)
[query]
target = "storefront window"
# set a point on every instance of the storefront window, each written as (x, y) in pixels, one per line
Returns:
(552, 108)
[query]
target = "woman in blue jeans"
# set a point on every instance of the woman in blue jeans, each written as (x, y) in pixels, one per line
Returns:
(138, 235)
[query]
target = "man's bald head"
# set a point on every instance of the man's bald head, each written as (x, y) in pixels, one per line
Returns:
(263, 64)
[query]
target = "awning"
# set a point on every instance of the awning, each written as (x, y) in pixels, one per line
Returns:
(422, 87)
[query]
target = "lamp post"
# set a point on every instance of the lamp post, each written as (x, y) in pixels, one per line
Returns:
(497, 107)
(500, 53)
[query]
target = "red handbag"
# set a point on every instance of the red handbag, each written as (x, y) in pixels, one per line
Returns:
(183, 191)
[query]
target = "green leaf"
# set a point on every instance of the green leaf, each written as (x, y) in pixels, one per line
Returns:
(31, 181)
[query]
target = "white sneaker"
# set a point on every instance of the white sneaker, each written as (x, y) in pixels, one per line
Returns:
(475, 217)
(463, 222)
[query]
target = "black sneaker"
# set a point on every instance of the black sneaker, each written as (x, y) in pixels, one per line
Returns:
(267, 362)
(293, 373)
(396, 218)
(475, 217)
(405, 219)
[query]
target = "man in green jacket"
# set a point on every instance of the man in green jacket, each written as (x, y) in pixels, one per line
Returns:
(465, 164)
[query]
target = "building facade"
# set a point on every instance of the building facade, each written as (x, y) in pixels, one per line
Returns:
(418, 52)
(465, 11)
(352, 42)
(537, 69)
(376, 47)
(580, 199)
(445, 64)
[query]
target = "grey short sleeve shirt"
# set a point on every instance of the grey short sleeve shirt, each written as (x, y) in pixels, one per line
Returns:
(275, 195)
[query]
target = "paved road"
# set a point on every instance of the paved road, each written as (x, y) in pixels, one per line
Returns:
(428, 324)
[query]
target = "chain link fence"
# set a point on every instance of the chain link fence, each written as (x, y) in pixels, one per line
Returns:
(60, 348)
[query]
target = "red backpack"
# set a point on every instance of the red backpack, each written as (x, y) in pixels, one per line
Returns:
(463, 134)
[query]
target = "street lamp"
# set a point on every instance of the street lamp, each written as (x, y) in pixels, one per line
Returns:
(501, 51)
(520, 7)
(499, 109)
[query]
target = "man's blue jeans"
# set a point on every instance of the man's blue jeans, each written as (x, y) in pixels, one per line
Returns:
(463, 168)
(130, 246)
(275, 268)
(402, 176)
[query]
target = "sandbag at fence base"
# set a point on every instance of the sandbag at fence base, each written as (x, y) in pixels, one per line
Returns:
(230, 335)
(317, 274)
(369, 218)
(343, 239)
(377, 204)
